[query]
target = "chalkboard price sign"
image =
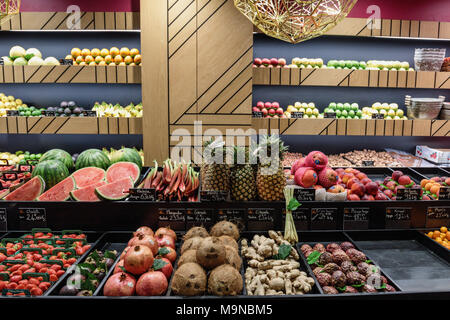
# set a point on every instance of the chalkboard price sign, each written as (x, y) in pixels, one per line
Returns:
(305, 194)
(30, 218)
(142, 194)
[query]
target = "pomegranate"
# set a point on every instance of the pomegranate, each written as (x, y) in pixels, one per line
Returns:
(171, 255)
(138, 259)
(124, 252)
(120, 285)
(152, 283)
(118, 266)
(166, 231)
(167, 269)
(144, 230)
(165, 241)
(145, 240)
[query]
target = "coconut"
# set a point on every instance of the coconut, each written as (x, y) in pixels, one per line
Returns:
(225, 281)
(229, 241)
(188, 256)
(196, 232)
(225, 228)
(211, 253)
(232, 257)
(189, 280)
(192, 243)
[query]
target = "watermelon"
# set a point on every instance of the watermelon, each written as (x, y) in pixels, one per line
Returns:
(115, 191)
(52, 171)
(87, 193)
(58, 154)
(92, 158)
(126, 155)
(120, 170)
(30, 191)
(88, 176)
(60, 192)
(4, 193)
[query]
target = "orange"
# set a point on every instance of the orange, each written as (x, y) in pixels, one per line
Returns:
(69, 57)
(75, 52)
(430, 234)
(443, 235)
(82, 63)
(114, 51)
(79, 59)
(137, 59)
(128, 60)
(122, 64)
(444, 229)
(436, 234)
(118, 59)
(448, 236)
(92, 63)
(89, 59)
(435, 189)
(124, 52)
(112, 64)
(134, 52)
(439, 240)
(428, 186)
(85, 52)
(424, 182)
(132, 64)
(102, 63)
(99, 59)
(95, 52)
(104, 52)
(108, 59)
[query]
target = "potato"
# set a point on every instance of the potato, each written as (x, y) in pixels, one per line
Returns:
(225, 281)
(192, 243)
(189, 280)
(188, 256)
(225, 228)
(211, 253)
(229, 241)
(196, 232)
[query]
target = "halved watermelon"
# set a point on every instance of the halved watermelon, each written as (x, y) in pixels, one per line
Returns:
(120, 170)
(60, 192)
(4, 193)
(88, 176)
(87, 193)
(30, 191)
(116, 190)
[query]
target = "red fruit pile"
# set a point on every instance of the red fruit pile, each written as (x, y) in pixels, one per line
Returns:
(13, 176)
(148, 258)
(269, 109)
(269, 63)
(432, 187)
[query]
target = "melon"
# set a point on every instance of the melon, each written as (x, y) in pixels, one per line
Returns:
(88, 176)
(116, 190)
(58, 154)
(87, 193)
(52, 171)
(126, 155)
(120, 170)
(60, 192)
(30, 191)
(92, 158)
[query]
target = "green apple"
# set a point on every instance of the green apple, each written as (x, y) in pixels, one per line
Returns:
(399, 113)
(344, 113)
(315, 111)
(347, 106)
(359, 114)
(340, 106)
(351, 113)
(354, 106)
(338, 113)
(332, 105)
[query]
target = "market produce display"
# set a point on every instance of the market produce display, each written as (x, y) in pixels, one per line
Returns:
(389, 111)
(105, 109)
(144, 268)
(341, 268)
(105, 57)
(431, 187)
(209, 262)
(344, 110)
(31, 264)
(18, 56)
(273, 267)
(10, 103)
(441, 236)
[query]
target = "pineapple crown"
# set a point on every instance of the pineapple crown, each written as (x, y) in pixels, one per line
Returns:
(241, 155)
(215, 151)
(268, 145)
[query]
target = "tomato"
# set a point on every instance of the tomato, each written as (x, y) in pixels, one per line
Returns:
(38, 265)
(19, 256)
(79, 251)
(20, 287)
(17, 273)
(30, 263)
(2, 268)
(37, 257)
(86, 247)
(38, 234)
(66, 265)
(10, 252)
(31, 270)
(51, 271)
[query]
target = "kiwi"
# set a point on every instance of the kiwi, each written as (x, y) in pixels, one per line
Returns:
(189, 280)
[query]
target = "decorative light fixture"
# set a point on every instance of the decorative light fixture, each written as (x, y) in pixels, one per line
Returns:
(294, 20)
(8, 8)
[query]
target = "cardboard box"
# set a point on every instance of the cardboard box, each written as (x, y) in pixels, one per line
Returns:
(433, 155)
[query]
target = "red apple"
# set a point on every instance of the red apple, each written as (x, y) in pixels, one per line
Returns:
(268, 105)
(264, 112)
(351, 182)
(260, 104)
(279, 111)
(365, 181)
(381, 196)
(391, 185)
(367, 197)
(371, 188)
(275, 105)
(361, 175)
(396, 174)
(353, 197)
(271, 112)
(358, 189)
(404, 180)
(398, 187)
(274, 61)
(265, 62)
(257, 61)
(282, 62)
(388, 193)
(255, 109)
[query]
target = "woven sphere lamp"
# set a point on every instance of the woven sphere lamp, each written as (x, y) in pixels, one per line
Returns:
(294, 20)
(8, 8)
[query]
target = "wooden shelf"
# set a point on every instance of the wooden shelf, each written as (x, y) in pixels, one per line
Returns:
(58, 21)
(70, 74)
(64, 125)
(360, 27)
(355, 127)
(351, 78)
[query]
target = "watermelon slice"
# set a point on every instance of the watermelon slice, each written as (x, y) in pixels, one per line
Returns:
(4, 193)
(120, 170)
(30, 191)
(87, 193)
(60, 192)
(116, 190)
(88, 176)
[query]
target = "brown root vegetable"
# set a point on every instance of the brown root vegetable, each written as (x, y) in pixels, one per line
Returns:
(232, 257)
(189, 280)
(188, 256)
(211, 253)
(330, 290)
(225, 228)
(196, 232)
(192, 243)
(229, 241)
(225, 281)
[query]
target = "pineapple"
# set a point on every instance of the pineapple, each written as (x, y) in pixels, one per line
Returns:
(270, 178)
(216, 176)
(243, 181)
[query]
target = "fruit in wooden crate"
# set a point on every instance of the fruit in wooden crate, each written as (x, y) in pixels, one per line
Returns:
(112, 57)
(10, 103)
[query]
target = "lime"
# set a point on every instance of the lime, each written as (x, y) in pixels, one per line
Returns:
(22, 114)
(357, 117)
(32, 108)
(341, 63)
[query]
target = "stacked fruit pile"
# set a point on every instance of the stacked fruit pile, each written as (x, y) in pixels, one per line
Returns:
(347, 64)
(148, 257)
(217, 252)
(117, 111)
(32, 263)
(309, 110)
(432, 187)
(390, 111)
(269, 63)
(441, 236)
(388, 65)
(306, 63)
(9, 103)
(103, 57)
(344, 110)
(18, 56)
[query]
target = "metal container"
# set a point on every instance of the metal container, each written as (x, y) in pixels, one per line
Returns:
(445, 114)
(424, 108)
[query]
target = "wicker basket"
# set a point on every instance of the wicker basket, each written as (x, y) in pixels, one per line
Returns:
(8, 8)
(294, 20)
